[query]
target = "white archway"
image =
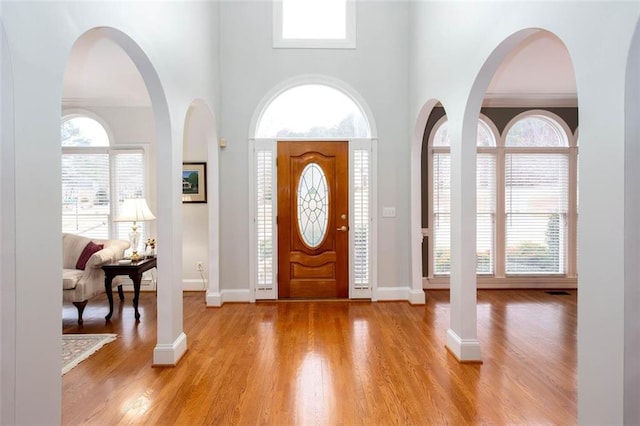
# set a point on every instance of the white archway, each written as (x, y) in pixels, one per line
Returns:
(201, 121)
(172, 342)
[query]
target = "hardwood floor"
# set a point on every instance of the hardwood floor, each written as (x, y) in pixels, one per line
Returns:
(344, 363)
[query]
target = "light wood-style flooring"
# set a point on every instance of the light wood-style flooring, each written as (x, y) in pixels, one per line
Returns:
(330, 363)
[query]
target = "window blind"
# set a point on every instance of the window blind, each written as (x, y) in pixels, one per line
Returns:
(128, 168)
(536, 207)
(442, 213)
(485, 207)
(85, 194)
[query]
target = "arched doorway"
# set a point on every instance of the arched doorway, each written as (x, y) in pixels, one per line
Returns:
(322, 112)
(143, 87)
(201, 220)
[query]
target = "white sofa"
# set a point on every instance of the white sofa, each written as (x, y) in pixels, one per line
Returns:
(79, 285)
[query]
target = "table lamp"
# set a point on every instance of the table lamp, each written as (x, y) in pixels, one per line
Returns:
(134, 210)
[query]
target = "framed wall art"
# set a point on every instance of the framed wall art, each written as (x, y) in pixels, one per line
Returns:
(194, 182)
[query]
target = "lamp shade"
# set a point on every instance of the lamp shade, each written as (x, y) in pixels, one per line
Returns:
(134, 210)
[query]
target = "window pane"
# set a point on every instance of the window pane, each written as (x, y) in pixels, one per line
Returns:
(314, 19)
(313, 205)
(536, 205)
(129, 182)
(536, 131)
(85, 194)
(312, 111)
(485, 136)
(83, 131)
(441, 138)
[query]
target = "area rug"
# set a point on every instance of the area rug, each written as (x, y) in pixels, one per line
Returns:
(78, 347)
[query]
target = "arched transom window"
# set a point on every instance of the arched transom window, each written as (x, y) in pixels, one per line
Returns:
(313, 111)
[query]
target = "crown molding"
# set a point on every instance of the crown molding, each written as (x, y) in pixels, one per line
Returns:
(518, 100)
(69, 102)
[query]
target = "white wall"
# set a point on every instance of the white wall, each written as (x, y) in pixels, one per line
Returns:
(180, 42)
(450, 46)
(377, 70)
(195, 231)
(7, 242)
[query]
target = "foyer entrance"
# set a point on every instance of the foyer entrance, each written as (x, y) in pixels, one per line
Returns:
(313, 219)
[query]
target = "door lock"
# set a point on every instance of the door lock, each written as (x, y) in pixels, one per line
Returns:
(342, 228)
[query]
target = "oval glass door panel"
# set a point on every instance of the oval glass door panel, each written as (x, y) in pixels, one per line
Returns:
(313, 205)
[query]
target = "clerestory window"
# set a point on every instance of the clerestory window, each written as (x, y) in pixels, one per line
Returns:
(314, 24)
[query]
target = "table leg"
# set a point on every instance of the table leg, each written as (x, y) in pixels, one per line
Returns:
(120, 292)
(107, 289)
(137, 280)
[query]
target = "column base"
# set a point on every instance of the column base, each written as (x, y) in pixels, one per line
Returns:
(464, 350)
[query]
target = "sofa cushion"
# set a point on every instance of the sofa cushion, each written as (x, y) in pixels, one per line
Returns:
(89, 249)
(70, 278)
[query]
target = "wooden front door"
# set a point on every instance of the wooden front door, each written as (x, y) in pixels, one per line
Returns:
(313, 221)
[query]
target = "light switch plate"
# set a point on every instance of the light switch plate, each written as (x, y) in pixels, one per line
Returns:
(388, 212)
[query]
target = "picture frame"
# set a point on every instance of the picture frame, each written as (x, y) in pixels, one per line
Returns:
(194, 182)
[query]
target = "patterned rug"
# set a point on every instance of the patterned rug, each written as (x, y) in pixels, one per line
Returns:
(78, 347)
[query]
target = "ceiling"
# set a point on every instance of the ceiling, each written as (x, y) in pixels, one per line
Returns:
(99, 72)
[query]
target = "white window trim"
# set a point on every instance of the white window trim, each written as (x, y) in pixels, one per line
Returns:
(349, 42)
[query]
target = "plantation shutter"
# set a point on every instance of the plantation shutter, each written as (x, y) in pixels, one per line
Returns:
(536, 207)
(85, 194)
(264, 219)
(361, 196)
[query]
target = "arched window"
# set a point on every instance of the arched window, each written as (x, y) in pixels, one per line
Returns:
(441, 198)
(526, 198)
(536, 196)
(96, 179)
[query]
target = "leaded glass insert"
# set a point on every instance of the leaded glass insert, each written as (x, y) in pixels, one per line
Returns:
(313, 205)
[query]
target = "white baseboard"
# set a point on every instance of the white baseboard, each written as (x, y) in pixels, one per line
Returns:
(165, 354)
(216, 299)
(417, 297)
(390, 293)
(487, 283)
(194, 285)
(465, 350)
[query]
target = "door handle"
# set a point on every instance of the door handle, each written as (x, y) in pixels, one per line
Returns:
(342, 228)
